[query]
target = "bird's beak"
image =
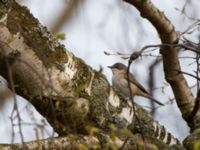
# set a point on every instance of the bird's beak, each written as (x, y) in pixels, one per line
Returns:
(109, 67)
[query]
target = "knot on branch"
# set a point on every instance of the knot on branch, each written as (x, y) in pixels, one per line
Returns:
(134, 56)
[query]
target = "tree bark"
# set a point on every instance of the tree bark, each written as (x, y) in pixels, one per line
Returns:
(168, 35)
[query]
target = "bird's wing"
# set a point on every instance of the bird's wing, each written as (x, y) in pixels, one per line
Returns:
(134, 81)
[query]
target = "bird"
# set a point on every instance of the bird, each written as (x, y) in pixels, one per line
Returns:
(120, 83)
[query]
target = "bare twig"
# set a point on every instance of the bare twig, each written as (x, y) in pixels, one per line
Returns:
(197, 100)
(15, 108)
(191, 27)
(189, 74)
(151, 82)
(135, 55)
(124, 144)
(132, 101)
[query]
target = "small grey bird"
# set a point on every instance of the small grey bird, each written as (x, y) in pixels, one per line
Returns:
(120, 83)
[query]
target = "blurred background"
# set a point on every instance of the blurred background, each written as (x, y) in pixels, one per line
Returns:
(98, 30)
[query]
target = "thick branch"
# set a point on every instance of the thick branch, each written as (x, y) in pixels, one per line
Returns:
(171, 64)
(168, 35)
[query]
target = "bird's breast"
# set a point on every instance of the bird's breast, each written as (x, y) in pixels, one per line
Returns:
(121, 85)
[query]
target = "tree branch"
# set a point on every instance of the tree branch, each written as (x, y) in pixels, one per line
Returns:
(168, 35)
(171, 64)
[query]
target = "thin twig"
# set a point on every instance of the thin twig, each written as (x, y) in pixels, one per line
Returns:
(133, 104)
(190, 27)
(189, 74)
(15, 108)
(124, 144)
(151, 83)
(136, 54)
(197, 100)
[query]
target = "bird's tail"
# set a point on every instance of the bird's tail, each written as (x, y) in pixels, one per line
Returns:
(153, 99)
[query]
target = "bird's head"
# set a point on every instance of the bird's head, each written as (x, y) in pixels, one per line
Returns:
(118, 67)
